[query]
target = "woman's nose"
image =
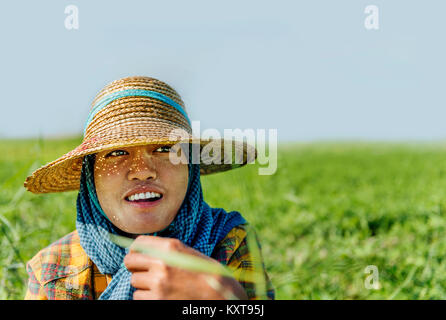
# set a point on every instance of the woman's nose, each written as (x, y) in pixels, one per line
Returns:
(142, 167)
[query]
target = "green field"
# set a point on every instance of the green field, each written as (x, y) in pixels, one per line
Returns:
(330, 210)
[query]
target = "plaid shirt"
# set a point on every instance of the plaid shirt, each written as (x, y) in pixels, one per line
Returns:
(63, 271)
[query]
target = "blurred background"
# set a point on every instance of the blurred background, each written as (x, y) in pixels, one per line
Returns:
(356, 96)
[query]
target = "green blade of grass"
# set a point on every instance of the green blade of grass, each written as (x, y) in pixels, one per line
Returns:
(257, 274)
(189, 262)
(404, 284)
(174, 259)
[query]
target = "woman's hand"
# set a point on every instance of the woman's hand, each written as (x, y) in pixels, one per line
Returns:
(154, 280)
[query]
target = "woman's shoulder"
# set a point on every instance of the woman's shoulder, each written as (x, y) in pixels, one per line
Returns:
(59, 259)
(240, 250)
(232, 242)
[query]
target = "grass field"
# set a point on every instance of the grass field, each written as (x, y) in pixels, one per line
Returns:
(331, 210)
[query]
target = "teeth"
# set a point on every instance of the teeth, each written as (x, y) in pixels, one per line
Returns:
(147, 195)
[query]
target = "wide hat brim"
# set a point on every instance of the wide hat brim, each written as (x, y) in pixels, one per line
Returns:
(63, 174)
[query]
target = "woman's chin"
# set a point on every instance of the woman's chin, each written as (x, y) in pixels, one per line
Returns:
(138, 221)
(142, 223)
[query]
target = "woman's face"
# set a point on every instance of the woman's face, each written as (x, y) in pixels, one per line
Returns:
(122, 173)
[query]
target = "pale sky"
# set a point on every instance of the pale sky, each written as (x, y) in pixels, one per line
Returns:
(309, 69)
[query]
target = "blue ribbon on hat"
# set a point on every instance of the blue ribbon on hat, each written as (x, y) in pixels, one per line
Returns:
(132, 93)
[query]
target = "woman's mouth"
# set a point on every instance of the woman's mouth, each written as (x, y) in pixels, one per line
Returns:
(144, 200)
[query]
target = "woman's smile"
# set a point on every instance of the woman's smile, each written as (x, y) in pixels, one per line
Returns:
(144, 203)
(140, 198)
(144, 196)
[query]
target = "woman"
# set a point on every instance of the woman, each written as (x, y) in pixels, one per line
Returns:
(129, 185)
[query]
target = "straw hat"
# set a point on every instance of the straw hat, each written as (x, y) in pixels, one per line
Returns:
(129, 112)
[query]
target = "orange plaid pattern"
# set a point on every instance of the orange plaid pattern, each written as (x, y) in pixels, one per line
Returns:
(63, 271)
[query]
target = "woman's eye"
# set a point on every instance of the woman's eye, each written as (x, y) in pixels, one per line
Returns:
(115, 153)
(164, 149)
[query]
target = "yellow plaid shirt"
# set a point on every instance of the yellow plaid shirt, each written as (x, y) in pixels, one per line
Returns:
(63, 271)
